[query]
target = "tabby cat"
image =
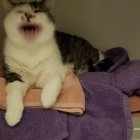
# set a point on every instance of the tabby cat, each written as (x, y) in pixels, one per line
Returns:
(36, 54)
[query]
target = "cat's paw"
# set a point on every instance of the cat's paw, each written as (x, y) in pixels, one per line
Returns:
(47, 102)
(13, 116)
(51, 92)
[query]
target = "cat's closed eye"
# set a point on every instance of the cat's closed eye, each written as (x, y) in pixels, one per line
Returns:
(19, 11)
(37, 11)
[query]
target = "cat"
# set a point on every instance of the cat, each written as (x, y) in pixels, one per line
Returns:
(35, 54)
(81, 54)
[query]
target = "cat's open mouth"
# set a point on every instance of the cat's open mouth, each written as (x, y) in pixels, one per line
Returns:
(30, 28)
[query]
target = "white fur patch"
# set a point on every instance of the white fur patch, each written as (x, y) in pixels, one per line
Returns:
(15, 93)
(101, 56)
(50, 92)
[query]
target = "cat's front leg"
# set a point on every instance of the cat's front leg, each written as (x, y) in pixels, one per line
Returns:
(15, 93)
(51, 91)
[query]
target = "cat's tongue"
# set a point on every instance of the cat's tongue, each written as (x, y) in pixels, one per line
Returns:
(29, 31)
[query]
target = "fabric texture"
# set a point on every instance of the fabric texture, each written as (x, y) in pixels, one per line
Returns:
(71, 98)
(107, 115)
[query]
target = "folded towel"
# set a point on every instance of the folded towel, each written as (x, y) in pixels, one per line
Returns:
(71, 98)
(134, 104)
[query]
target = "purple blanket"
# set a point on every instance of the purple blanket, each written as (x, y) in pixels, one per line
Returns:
(107, 115)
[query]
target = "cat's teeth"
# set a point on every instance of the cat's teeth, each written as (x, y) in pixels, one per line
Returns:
(29, 31)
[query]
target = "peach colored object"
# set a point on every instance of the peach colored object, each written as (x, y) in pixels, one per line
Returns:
(71, 98)
(135, 105)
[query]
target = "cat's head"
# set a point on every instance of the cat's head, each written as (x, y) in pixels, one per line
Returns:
(45, 4)
(29, 23)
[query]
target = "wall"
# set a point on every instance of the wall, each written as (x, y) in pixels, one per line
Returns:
(2, 13)
(105, 23)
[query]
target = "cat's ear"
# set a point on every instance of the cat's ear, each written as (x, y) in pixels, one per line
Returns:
(7, 4)
(48, 4)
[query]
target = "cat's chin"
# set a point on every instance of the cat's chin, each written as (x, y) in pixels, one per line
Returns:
(29, 31)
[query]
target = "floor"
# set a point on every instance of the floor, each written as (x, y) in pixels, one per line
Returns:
(136, 125)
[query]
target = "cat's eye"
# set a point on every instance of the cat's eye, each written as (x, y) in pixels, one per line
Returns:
(20, 12)
(37, 11)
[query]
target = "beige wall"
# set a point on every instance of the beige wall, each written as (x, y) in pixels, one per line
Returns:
(2, 13)
(105, 23)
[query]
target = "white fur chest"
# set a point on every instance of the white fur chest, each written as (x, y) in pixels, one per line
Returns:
(35, 65)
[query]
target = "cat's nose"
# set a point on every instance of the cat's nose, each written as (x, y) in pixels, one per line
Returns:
(29, 16)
